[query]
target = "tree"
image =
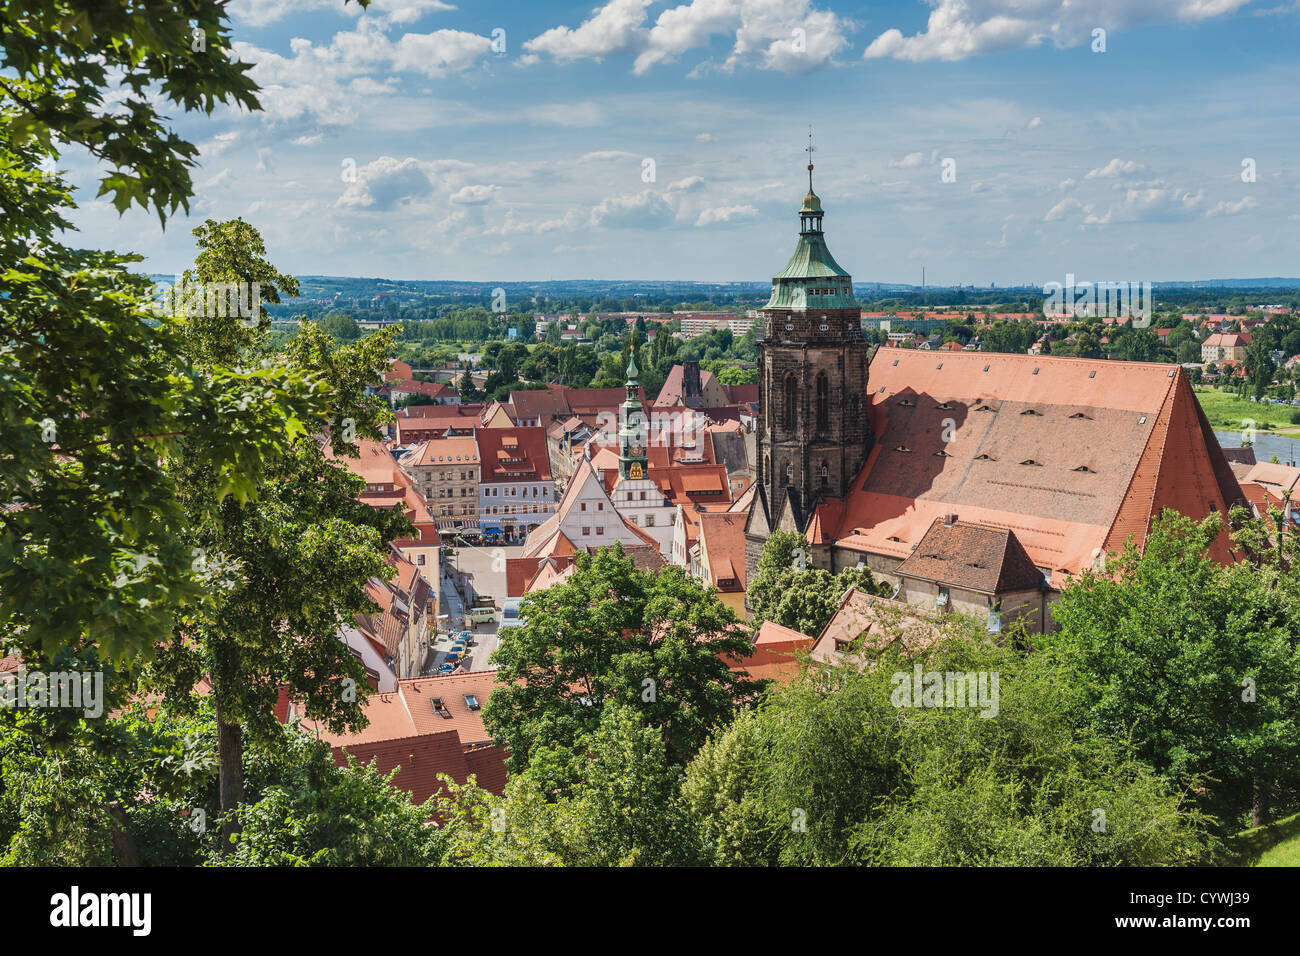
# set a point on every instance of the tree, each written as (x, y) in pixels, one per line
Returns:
(789, 591)
(1199, 664)
(612, 634)
(313, 813)
(624, 807)
(833, 769)
(343, 328)
(295, 562)
(467, 390)
(95, 393)
(1259, 366)
(738, 376)
(1088, 344)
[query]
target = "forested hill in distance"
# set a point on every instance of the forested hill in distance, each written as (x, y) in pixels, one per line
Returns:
(346, 287)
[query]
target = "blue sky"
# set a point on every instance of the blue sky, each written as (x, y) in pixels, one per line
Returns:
(532, 163)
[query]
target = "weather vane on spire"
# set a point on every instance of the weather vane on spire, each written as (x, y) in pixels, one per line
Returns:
(810, 149)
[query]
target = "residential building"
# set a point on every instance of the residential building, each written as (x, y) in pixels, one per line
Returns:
(516, 492)
(447, 472)
(1225, 346)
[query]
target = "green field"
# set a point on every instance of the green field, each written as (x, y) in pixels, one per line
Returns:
(1277, 844)
(1226, 411)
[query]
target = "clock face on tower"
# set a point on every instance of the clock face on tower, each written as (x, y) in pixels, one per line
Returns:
(636, 451)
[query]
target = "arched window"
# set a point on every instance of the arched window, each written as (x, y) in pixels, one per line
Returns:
(823, 403)
(789, 473)
(826, 474)
(791, 402)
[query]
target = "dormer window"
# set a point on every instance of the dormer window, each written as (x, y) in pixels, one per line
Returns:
(985, 458)
(1081, 415)
(1030, 461)
(907, 403)
(1030, 411)
(902, 448)
(1085, 469)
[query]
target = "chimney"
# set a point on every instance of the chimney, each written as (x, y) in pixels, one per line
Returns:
(949, 520)
(692, 393)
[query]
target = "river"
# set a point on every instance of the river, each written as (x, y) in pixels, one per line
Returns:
(1266, 446)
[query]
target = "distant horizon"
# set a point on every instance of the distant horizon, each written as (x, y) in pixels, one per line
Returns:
(1271, 283)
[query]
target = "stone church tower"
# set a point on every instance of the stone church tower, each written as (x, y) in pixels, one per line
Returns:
(813, 431)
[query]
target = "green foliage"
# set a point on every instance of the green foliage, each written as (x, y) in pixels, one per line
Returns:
(342, 328)
(1199, 664)
(95, 392)
(829, 771)
(112, 788)
(789, 591)
(318, 814)
(624, 807)
(611, 634)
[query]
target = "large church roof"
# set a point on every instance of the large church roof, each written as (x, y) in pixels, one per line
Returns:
(1072, 455)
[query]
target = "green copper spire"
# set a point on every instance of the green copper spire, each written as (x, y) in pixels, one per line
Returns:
(632, 370)
(812, 279)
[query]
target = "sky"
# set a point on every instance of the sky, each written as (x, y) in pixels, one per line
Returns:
(988, 141)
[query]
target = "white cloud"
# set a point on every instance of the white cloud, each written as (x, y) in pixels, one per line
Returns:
(910, 161)
(785, 35)
(386, 183)
(723, 214)
(330, 84)
(1064, 208)
(260, 13)
(1034, 123)
(960, 28)
(474, 195)
(705, 138)
(1152, 205)
(689, 184)
(567, 114)
(1233, 208)
(643, 210)
(603, 155)
(614, 28)
(1116, 167)
(219, 144)
(221, 179)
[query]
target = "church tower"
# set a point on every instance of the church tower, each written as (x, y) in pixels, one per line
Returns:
(813, 431)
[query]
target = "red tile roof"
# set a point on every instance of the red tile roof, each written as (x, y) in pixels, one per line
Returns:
(1073, 455)
(722, 549)
(775, 654)
(513, 454)
(972, 556)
